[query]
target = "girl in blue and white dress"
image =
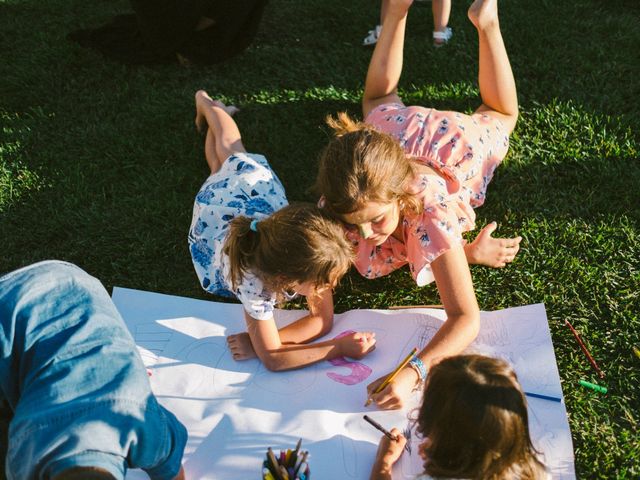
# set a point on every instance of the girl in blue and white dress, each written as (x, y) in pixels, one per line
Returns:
(247, 241)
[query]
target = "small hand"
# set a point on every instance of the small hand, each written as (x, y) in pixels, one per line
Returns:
(389, 451)
(356, 345)
(241, 346)
(492, 252)
(392, 397)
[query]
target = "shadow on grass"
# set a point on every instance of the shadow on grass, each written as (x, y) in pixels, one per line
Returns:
(114, 163)
(305, 45)
(117, 194)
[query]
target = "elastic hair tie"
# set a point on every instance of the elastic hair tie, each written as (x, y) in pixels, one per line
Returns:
(254, 225)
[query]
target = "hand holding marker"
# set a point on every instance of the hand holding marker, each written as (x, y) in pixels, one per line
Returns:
(383, 430)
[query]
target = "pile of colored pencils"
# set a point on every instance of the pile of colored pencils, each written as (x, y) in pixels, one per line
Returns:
(289, 465)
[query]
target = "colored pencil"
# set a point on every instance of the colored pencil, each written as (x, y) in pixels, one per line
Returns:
(272, 464)
(543, 397)
(392, 375)
(287, 466)
(584, 349)
(283, 472)
(303, 461)
(294, 455)
(402, 307)
(593, 386)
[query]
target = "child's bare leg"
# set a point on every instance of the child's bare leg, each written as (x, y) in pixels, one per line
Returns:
(383, 10)
(385, 67)
(489, 251)
(223, 136)
(210, 152)
(441, 10)
(497, 85)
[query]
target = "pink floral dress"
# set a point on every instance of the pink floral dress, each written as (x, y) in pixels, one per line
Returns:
(464, 150)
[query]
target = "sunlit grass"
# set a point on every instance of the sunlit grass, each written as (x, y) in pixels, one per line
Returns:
(99, 164)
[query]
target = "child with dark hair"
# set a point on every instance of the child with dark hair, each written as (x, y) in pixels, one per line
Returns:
(474, 422)
(80, 402)
(247, 242)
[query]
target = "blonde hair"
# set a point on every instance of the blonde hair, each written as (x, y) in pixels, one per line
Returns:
(297, 243)
(475, 415)
(363, 165)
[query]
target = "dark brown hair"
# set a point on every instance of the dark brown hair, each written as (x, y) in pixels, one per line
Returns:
(297, 243)
(475, 415)
(362, 165)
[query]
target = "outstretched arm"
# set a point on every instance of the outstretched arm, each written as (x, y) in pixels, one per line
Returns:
(288, 348)
(455, 287)
(381, 85)
(314, 325)
(277, 356)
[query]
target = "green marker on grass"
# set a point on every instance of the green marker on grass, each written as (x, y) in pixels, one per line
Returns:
(593, 386)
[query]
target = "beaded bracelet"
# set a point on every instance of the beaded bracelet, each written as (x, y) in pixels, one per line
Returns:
(419, 367)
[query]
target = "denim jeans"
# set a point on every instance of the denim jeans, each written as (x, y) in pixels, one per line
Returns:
(71, 373)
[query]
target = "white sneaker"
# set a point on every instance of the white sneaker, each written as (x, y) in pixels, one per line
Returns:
(372, 37)
(441, 38)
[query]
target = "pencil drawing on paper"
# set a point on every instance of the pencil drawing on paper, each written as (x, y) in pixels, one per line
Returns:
(197, 379)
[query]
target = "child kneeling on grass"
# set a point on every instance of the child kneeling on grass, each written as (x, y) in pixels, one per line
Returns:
(246, 241)
(474, 422)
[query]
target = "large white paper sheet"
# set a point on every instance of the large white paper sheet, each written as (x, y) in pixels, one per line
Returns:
(235, 410)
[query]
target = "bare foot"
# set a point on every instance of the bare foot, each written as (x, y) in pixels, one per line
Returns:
(204, 101)
(492, 252)
(240, 346)
(484, 14)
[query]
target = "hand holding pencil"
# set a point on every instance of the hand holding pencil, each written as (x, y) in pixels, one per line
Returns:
(380, 384)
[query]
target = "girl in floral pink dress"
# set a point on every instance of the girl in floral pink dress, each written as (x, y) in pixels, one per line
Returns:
(406, 181)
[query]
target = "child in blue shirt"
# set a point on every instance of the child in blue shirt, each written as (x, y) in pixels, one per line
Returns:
(74, 381)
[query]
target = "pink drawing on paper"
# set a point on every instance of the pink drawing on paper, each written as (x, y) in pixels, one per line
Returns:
(359, 371)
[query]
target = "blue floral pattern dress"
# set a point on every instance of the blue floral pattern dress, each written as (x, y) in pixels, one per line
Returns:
(245, 186)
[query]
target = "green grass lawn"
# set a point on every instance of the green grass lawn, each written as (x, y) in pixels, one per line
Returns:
(99, 164)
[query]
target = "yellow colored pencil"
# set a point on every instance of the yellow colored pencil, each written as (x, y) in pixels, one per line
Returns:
(392, 375)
